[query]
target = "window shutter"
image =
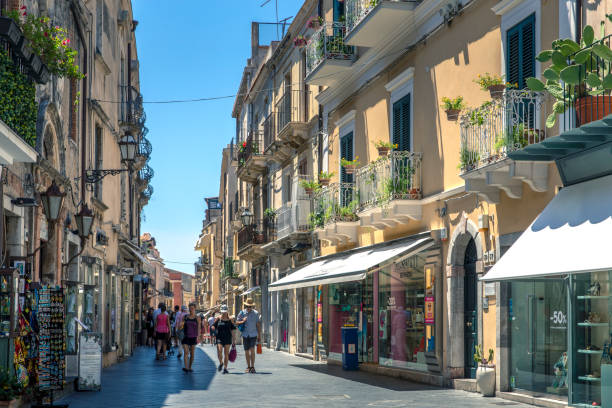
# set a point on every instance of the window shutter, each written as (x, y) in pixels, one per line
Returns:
(401, 124)
(520, 52)
(346, 151)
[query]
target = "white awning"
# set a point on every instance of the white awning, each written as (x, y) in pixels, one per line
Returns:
(351, 265)
(570, 236)
(133, 253)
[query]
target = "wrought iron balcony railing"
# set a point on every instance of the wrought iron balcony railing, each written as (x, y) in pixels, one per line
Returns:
(146, 173)
(147, 193)
(292, 107)
(396, 176)
(334, 203)
(327, 43)
(132, 109)
(253, 146)
(145, 148)
(357, 10)
(260, 233)
(500, 126)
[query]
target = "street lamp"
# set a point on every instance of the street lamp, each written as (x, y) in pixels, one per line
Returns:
(84, 220)
(128, 147)
(247, 218)
(52, 201)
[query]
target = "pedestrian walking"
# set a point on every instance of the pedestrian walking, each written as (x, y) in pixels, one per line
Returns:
(251, 333)
(190, 325)
(162, 332)
(178, 330)
(204, 329)
(150, 328)
(224, 329)
(211, 325)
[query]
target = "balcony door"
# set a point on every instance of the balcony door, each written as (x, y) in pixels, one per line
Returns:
(346, 152)
(402, 124)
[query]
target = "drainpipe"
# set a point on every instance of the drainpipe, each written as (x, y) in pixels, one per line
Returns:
(130, 106)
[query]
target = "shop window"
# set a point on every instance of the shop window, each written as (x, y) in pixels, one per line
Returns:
(538, 318)
(403, 337)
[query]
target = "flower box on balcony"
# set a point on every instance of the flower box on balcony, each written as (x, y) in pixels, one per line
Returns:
(10, 30)
(24, 49)
(452, 114)
(497, 91)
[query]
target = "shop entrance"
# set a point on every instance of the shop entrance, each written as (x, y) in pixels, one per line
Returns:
(470, 328)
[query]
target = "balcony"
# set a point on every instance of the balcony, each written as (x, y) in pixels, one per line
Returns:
(145, 196)
(132, 115)
(292, 219)
(144, 152)
(144, 177)
(493, 131)
(292, 117)
(252, 237)
(252, 158)
(370, 22)
(327, 56)
(390, 190)
(334, 217)
(275, 148)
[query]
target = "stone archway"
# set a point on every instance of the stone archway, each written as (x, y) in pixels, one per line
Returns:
(465, 232)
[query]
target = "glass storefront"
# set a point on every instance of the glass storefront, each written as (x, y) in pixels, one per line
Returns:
(306, 328)
(403, 336)
(351, 304)
(284, 320)
(591, 362)
(538, 321)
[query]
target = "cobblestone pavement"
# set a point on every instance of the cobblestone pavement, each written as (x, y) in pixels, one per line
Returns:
(282, 380)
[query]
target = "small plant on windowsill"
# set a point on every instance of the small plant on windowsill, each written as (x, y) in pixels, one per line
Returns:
(383, 147)
(270, 213)
(453, 107)
(309, 186)
(350, 165)
(325, 177)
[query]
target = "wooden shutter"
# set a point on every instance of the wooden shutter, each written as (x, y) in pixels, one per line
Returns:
(346, 151)
(520, 52)
(401, 124)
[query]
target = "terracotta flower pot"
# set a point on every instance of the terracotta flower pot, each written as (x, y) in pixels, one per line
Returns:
(496, 91)
(350, 168)
(383, 151)
(324, 181)
(592, 108)
(309, 190)
(453, 114)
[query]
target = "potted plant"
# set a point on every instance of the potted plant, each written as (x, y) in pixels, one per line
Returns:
(384, 147)
(309, 186)
(10, 390)
(495, 84)
(300, 41)
(576, 77)
(485, 374)
(350, 165)
(315, 22)
(453, 107)
(325, 177)
(270, 213)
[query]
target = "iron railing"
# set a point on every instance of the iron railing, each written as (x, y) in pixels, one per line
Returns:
(396, 176)
(131, 108)
(146, 173)
(333, 203)
(292, 107)
(327, 43)
(147, 193)
(269, 131)
(294, 215)
(145, 148)
(490, 132)
(261, 232)
(253, 146)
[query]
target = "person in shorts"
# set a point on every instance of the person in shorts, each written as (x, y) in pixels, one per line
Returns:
(211, 325)
(251, 334)
(224, 328)
(190, 325)
(162, 332)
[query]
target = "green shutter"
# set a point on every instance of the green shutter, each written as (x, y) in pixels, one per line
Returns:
(520, 52)
(401, 123)
(346, 151)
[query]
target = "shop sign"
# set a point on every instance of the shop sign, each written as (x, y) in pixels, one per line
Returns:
(90, 361)
(429, 310)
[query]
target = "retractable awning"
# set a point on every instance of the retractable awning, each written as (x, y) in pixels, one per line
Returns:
(133, 253)
(250, 290)
(352, 265)
(571, 235)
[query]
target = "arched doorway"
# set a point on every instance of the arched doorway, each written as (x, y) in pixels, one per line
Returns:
(470, 308)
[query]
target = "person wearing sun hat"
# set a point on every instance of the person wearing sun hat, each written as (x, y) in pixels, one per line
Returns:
(224, 327)
(251, 333)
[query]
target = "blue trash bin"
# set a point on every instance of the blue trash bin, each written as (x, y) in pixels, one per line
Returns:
(350, 356)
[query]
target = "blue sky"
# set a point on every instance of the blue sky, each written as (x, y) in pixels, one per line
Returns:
(194, 49)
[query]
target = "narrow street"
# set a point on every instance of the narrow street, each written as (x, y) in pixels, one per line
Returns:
(282, 381)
